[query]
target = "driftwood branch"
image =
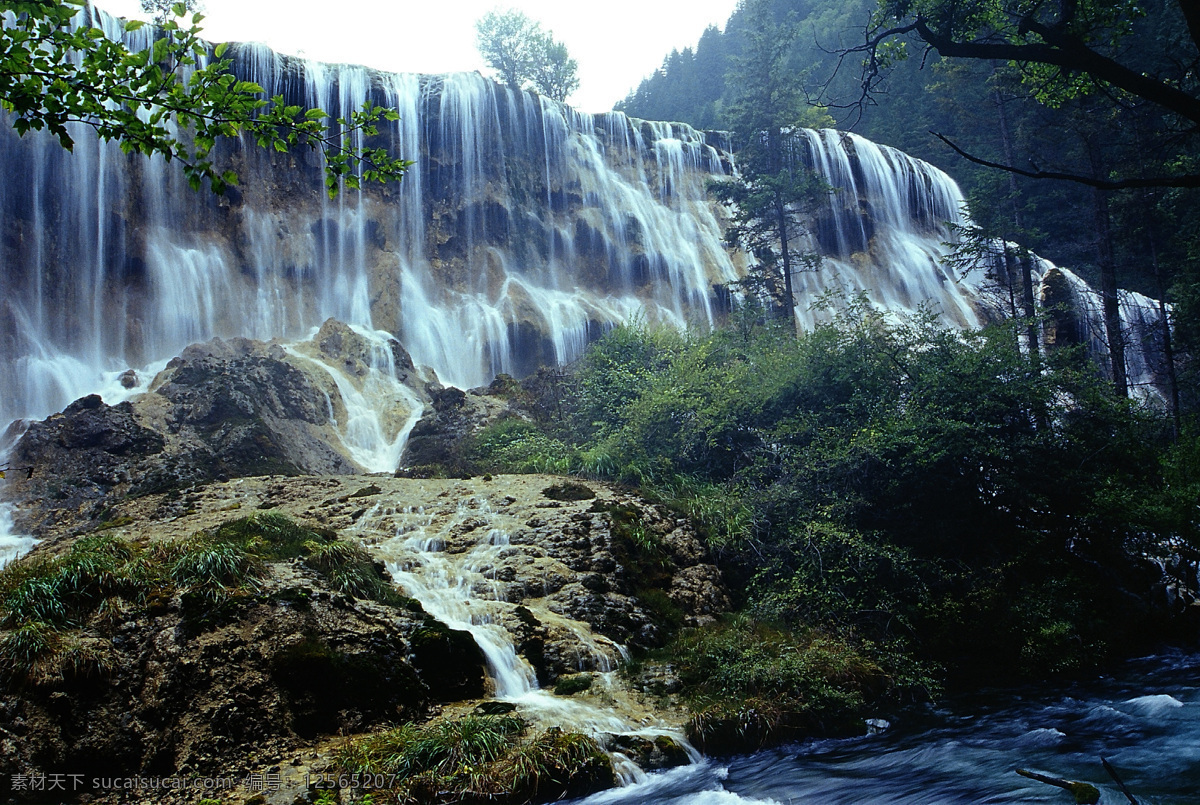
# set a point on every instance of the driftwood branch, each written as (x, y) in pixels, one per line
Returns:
(1084, 793)
(1120, 783)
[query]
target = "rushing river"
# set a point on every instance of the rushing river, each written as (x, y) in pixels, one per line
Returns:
(1145, 719)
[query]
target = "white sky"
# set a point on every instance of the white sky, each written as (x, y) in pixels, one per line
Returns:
(617, 43)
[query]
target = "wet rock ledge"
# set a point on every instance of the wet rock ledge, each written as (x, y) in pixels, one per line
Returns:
(245, 629)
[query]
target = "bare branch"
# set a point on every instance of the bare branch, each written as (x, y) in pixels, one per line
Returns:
(1187, 180)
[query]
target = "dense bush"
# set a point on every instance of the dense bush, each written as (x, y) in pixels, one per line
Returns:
(900, 483)
(750, 684)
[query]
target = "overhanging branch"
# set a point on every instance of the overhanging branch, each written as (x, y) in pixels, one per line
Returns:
(1069, 53)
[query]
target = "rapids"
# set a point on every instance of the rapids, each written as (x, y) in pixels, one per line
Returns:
(456, 582)
(1144, 718)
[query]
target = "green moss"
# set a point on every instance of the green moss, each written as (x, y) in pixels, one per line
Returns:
(575, 683)
(480, 758)
(568, 491)
(666, 612)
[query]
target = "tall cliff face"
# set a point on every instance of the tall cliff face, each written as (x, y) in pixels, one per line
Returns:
(523, 231)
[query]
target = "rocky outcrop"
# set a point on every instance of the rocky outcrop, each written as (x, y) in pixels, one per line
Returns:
(183, 685)
(437, 443)
(222, 409)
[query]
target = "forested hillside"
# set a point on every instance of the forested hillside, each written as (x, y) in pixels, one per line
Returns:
(1000, 112)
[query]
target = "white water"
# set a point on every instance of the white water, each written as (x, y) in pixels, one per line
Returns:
(447, 560)
(12, 546)
(1144, 718)
(524, 231)
(374, 411)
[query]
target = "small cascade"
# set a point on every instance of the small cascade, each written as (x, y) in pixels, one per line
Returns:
(373, 411)
(12, 546)
(450, 560)
(1076, 313)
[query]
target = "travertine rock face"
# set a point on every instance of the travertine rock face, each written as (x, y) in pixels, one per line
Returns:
(573, 570)
(187, 687)
(222, 409)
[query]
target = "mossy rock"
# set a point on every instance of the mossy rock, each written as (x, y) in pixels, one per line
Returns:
(729, 728)
(495, 708)
(661, 752)
(449, 661)
(575, 683)
(568, 491)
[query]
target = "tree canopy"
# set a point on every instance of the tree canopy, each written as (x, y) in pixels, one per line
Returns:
(1062, 50)
(163, 10)
(174, 97)
(773, 192)
(524, 55)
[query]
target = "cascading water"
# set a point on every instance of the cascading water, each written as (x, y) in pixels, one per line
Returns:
(523, 231)
(448, 560)
(370, 425)
(12, 545)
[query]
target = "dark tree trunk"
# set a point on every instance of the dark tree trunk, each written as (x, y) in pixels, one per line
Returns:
(1025, 263)
(1108, 291)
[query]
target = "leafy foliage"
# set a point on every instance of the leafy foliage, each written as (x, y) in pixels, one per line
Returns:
(902, 485)
(174, 97)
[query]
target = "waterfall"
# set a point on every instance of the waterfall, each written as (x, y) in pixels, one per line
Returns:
(1076, 312)
(523, 231)
(883, 231)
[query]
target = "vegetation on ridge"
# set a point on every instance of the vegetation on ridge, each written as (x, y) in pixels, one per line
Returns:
(899, 486)
(51, 607)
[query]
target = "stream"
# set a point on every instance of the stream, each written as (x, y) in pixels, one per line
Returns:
(1144, 718)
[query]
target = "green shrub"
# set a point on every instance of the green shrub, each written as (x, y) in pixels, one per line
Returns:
(270, 535)
(212, 568)
(750, 684)
(474, 758)
(517, 446)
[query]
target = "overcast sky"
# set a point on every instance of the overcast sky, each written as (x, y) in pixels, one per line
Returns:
(617, 42)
